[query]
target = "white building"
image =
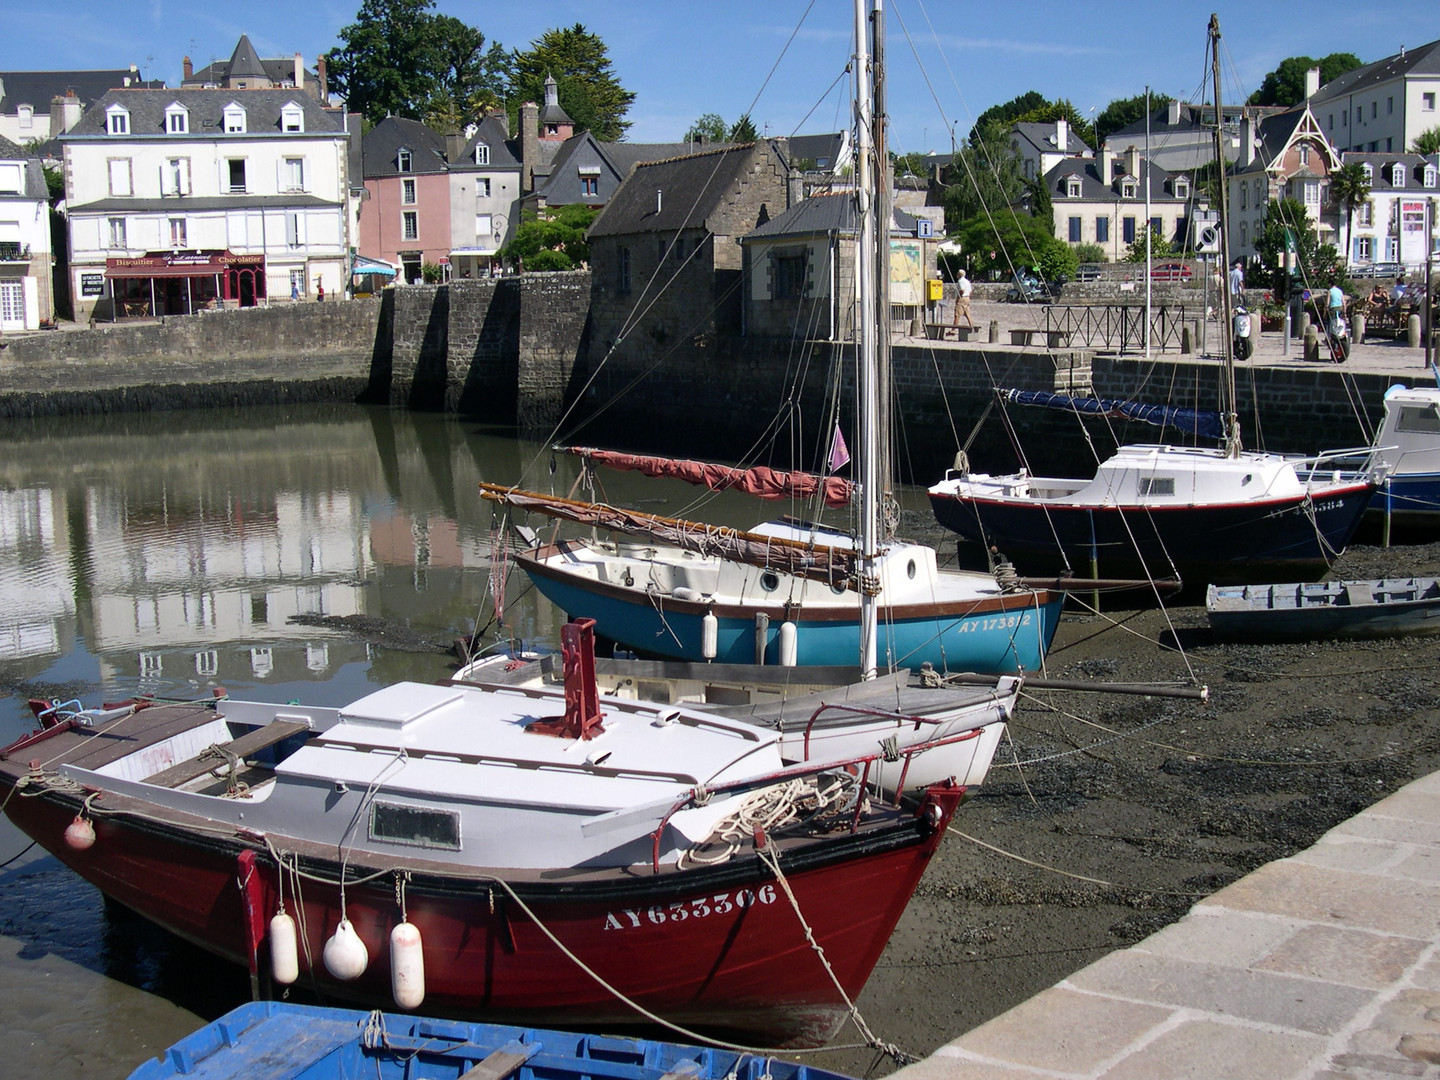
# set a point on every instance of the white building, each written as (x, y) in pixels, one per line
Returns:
(1382, 107)
(181, 199)
(1285, 156)
(1391, 225)
(26, 261)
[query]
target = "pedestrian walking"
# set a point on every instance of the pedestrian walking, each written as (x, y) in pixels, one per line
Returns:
(962, 300)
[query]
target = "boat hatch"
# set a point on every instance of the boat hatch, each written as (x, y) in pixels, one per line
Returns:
(402, 704)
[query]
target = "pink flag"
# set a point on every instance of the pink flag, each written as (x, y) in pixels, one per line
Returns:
(839, 453)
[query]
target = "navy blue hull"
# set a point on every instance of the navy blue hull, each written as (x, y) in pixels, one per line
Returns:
(1409, 499)
(1232, 543)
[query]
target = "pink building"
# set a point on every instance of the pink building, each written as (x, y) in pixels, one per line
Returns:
(405, 220)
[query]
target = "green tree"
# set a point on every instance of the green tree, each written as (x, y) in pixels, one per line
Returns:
(383, 64)
(1089, 253)
(552, 240)
(1427, 142)
(1159, 247)
(711, 127)
(465, 71)
(1004, 115)
(984, 177)
(1122, 112)
(1286, 84)
(1315, 265)
(1007, 242)
(588, 89)
(910, 164)
(743, 130)
(1042, 207)
(1349, 188)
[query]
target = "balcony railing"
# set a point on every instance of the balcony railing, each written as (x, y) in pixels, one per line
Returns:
(14, 251)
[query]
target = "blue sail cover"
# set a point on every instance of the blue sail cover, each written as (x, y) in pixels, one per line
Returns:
(1207, 425)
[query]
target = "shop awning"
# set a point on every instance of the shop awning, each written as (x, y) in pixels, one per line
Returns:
(372, 266)
(175, 264)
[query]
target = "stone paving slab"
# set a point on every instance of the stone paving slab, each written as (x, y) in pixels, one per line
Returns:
(1319, 967)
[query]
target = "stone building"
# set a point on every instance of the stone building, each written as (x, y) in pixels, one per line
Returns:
(664, 253)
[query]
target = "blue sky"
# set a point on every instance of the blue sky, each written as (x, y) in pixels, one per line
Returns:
(949, 60)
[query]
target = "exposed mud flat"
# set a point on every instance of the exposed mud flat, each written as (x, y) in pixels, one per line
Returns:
(1148, 804)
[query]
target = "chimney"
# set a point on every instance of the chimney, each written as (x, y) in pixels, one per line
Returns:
(503, 116)
(320, 74)
(659, 200)
(299, 72)
(1107, 166)
(187, 69)
(1062, 135)
(454, 147)
(65, 112)
(1312, 83)
(1173, 114)
(1132, 161)
(1247, 140)
(529, 145)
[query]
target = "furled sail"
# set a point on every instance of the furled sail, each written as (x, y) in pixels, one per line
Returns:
(1206, 425)
(819, 562)
(760, 481)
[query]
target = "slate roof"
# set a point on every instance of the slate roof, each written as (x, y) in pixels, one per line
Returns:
(1193, 117)
(1381, 164)
(1424, 61)
(383, 142)
(1093, 187)
(1274, 132)
(246, 63)
(502, 148)
(824, 215)
(690, 187)
(207, 113)
(821, 149)
(38, 88)
(1041, 136)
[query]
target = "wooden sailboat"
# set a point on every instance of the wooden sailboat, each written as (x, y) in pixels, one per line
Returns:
(1208, 515)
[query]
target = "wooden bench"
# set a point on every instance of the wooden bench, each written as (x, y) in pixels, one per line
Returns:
(947, 332)
(1054, 339)
(250, 743)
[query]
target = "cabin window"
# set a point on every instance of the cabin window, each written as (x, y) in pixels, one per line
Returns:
(415, 825)
(769, 581)
(1157, 485)
(1419, 418)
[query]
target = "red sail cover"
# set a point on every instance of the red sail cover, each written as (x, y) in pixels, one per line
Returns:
(760, 480)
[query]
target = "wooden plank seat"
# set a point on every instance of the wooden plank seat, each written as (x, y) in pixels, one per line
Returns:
(950, 332)
(246, 745)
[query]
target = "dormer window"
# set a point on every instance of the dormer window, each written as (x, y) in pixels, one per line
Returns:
(177, 119)
(292, 118)
(1182, 187)
(1128, 186)
(1072, 187)
(117, 120)
(1367, 172)
(1427, 178)
(482, 154)
(404, 160)
(234, 119)
(1397, 175)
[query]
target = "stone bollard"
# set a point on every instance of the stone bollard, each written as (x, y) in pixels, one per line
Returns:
(1312, 343)
(1186, 345)
(1358, 326)
(917, 326)
(1412, 332)
(1302, 327)
(994, 331)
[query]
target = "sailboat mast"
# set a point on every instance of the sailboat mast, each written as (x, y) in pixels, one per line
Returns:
(868, 359)
(884, 216)
(1228, 406)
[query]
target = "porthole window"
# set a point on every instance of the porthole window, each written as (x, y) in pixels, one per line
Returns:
(910, 569)
(769, 581)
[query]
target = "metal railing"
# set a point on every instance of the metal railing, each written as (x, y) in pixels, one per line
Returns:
(1120, 326)
(13, 251)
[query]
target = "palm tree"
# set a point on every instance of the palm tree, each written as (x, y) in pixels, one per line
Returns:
(1349, 188)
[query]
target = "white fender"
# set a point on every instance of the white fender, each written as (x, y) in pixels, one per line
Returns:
(345, 954)
(80, 834)
(407, 966)
(284, 950)
(709, 636)
(789, 645)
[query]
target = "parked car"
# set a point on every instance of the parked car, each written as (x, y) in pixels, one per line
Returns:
(1171, 272)
(1377, 270)
(1027, 287)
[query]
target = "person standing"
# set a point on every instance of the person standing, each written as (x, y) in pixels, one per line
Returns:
(962, 300)
(1237, 281)
(320, 292)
